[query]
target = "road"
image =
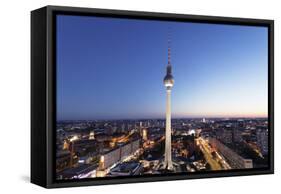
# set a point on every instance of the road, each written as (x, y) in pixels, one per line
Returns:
(205, 148)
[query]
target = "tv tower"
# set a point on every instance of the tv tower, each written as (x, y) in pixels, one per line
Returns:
(168, 83)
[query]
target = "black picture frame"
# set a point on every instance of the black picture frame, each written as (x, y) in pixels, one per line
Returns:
(43, 93)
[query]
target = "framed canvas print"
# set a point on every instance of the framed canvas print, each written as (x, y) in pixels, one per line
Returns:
(125, 96)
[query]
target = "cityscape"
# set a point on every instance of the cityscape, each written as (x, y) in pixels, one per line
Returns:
(88, 149)
(134, 120)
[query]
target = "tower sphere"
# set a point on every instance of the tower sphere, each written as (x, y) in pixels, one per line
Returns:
(169, 79)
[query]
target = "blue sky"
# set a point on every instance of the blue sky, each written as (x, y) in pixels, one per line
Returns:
(109, 68)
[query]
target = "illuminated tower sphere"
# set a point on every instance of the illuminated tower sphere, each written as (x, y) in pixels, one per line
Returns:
(168, 83)
(169, 79)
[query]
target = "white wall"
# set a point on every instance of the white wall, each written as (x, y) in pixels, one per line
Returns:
(15, 93)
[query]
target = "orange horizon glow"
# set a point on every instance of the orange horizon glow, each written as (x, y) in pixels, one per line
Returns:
(229, 115)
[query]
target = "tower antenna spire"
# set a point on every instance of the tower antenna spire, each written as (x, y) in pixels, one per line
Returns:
(169, 46)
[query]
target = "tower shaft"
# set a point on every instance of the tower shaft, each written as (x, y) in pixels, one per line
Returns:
(168, 155)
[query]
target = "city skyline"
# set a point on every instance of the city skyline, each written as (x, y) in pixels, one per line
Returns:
(128, 148)
(220, 70)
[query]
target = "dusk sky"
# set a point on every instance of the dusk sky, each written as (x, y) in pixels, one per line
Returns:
(109, 68)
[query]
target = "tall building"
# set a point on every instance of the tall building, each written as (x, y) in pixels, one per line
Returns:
(237, 135)
(168, 83)
(227, 136)
(262, 140)
(144, 134)
(224, 135)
